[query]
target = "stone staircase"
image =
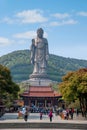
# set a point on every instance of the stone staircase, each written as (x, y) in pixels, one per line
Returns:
(33, 125)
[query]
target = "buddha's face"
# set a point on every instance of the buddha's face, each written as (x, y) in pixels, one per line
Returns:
(40, 33)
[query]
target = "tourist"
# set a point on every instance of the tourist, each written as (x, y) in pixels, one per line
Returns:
(71, 112)
(64, 112)
(23, 110)
(50, 115)
(20, 115)
(41, 114)
(77, 112)
(26, 114)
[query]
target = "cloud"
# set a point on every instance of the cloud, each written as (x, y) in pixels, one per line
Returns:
(64, 22)
(62, 19)
(82, 13)
(36, 16)
(26, 16)
(5, 41)
(27, 35)
(61, 16)
(7, 20)
(31, 16)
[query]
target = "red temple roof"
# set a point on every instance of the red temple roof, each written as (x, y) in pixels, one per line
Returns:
(41, 91)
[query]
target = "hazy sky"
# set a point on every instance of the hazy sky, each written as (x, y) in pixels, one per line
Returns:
(64, 23)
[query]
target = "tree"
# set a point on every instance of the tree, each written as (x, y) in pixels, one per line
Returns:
(8, 89)
(74, 86)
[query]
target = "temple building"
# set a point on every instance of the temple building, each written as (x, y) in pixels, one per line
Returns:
(44, 95)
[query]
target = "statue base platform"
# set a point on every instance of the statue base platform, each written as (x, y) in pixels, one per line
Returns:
(37, 82)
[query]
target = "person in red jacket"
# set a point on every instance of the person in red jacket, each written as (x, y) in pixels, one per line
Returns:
(50, 115)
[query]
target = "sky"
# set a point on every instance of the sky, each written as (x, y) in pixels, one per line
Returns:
(64, 23)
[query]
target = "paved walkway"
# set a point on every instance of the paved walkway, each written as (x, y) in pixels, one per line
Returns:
(34, 117)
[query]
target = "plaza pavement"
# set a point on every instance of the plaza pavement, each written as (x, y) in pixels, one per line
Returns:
(34, 118)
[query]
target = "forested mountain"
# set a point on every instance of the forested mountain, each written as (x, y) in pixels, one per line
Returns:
(19, 64)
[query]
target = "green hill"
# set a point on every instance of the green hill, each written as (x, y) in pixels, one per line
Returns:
(19, 64)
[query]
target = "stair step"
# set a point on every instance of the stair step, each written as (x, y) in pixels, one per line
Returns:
(43, 125)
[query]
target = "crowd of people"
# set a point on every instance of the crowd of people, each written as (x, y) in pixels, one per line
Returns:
(24, 113)
(67, 113)
(63, 113)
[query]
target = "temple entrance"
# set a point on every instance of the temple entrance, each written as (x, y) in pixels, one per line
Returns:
(40, 103)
